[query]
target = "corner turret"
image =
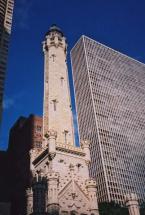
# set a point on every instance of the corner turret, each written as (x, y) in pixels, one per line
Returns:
(131, 201)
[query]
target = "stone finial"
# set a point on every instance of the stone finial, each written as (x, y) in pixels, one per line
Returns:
(131, 201)
(131, 197)
(45, 47)
(32, 154)
(39, 176)
(85, 146)
(51, 134)
(41, 173)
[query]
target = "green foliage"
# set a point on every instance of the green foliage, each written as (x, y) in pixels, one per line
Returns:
(142, 209)
(112, 208)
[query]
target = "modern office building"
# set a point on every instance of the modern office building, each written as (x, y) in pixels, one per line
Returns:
(6, 12)
(110, 102)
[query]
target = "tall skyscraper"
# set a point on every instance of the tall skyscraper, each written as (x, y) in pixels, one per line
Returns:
(110, 102)
(61, 182)
(6, 12)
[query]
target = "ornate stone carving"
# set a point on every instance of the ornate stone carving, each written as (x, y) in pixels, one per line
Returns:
(51, 134)
(85, 143)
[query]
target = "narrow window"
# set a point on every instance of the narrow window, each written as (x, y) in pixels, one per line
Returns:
(65, 136)
(54, 104)
(62, 79)
(53, 57)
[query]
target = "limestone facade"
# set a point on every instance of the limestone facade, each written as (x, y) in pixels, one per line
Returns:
(60, 182)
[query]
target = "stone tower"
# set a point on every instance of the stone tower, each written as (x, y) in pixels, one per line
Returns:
(57, 106)
(60, 184)
(131, 201)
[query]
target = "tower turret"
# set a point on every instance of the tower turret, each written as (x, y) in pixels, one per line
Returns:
(85, 146)
(51, 135)
(57, 114)
(131, 201)
(91, 186)
(53, 204)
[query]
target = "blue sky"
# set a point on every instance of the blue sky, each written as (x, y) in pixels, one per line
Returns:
(119, 24)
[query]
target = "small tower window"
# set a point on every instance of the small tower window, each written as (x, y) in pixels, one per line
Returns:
(65, 136)
(62, 80)
(54, 104)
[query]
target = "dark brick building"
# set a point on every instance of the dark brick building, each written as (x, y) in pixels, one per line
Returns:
(25, 134)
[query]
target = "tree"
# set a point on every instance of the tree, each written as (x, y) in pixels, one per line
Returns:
(112, 208)
(142, 209)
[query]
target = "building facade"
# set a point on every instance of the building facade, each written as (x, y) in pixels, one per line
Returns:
(6, 12)
(110, 101)
(26, 134)
(60, 182)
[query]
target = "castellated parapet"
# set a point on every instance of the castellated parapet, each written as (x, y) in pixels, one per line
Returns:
(131, 201)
